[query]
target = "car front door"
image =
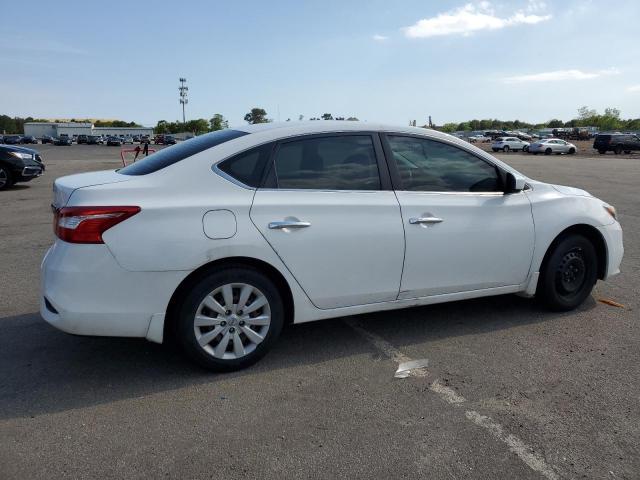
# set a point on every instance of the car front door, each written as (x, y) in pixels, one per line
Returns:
(328, 210)
(462, 232)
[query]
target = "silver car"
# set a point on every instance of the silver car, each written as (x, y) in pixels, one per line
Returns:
(552, 145)
(509, 143)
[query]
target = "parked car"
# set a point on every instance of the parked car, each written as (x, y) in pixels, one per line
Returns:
(479, 139)
(127, 139)
(94, 140)
(82, 139)
(169, 140)
(63, 140)
(159, 139)
(552, 145)
(47, 139)
(136, 138)
(509, 143)
(29, 139)
(616, 143)
(19, 164)
(114, 141)
(12, 139)
(218, 242)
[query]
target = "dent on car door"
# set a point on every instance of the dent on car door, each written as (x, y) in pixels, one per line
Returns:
(333, 219)
(462, 232)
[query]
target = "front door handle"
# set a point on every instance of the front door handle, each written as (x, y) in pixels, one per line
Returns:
(288, 224)
(419, 220)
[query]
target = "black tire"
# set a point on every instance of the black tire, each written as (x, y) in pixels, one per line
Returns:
(505, 149)
(6, 178)
(572, 151)
(602, 152)
(494, 149)
(568, 273)
(186, 336)
(618, 150)
(525, 148)
(627, 152)
(548, 151)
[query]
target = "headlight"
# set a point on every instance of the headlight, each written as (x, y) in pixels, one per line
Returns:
(23, 156)
(611, 211)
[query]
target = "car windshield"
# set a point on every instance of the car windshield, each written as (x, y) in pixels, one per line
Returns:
(169, 156)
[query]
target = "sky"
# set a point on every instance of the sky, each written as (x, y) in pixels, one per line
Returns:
(379, 60)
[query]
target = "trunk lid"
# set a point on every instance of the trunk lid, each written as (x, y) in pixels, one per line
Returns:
(64, 187)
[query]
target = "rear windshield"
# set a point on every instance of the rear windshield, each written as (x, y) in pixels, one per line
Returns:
(171, 155)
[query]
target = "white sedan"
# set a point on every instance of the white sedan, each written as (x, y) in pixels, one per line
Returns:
(509, 143)
(220, 241)
(552, 145)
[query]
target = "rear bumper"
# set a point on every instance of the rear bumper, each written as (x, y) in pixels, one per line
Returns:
(88, 293)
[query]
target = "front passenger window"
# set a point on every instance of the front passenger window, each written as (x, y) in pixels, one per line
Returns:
(431, 166)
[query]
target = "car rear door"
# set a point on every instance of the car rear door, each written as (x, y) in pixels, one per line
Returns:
(329, 212)
(462, 232)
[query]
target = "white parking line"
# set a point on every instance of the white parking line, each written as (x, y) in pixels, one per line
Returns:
(525, 453)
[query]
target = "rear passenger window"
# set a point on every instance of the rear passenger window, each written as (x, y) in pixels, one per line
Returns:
(344, 162)
(248, 167)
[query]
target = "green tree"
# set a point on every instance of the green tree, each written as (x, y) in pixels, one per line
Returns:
(197, 126)
(256, 115)
(555, 123)
(327, 116)
(586, 112)
(218, 122)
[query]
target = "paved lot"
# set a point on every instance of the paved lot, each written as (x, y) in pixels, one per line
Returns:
(511, 391)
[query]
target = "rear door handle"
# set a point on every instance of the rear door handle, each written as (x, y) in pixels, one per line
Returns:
(288, 224)
(419, 220)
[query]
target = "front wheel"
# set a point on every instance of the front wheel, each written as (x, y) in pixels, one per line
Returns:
(505, 149)
(572, 151)
(6, 179)
(548, 151)
(525, 148)
(568, 274)
(230, 319)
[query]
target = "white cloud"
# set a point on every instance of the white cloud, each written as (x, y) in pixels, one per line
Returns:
(379, 38)
(472, 18)
(560, 75)
(633, 88)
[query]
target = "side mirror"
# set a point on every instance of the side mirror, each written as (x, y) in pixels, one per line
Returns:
(514, 183)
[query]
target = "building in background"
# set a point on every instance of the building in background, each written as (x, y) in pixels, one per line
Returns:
(55, 129)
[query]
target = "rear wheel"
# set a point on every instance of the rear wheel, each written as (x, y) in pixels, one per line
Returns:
(525, 148)
(230, 319)
(618, 150)
(505, 149)
(6, 179)
(568, 274)
(548, 151)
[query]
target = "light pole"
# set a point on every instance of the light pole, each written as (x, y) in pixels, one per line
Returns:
(183, 97)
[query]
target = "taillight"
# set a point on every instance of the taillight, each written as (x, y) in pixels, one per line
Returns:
(87, 224)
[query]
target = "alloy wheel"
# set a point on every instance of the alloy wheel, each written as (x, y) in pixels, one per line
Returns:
(232, 321)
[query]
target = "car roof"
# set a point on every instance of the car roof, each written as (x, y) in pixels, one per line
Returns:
(286, 129)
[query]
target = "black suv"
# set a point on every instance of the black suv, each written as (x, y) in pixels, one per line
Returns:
(616, 142)
(82, 139)
(18, 164)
